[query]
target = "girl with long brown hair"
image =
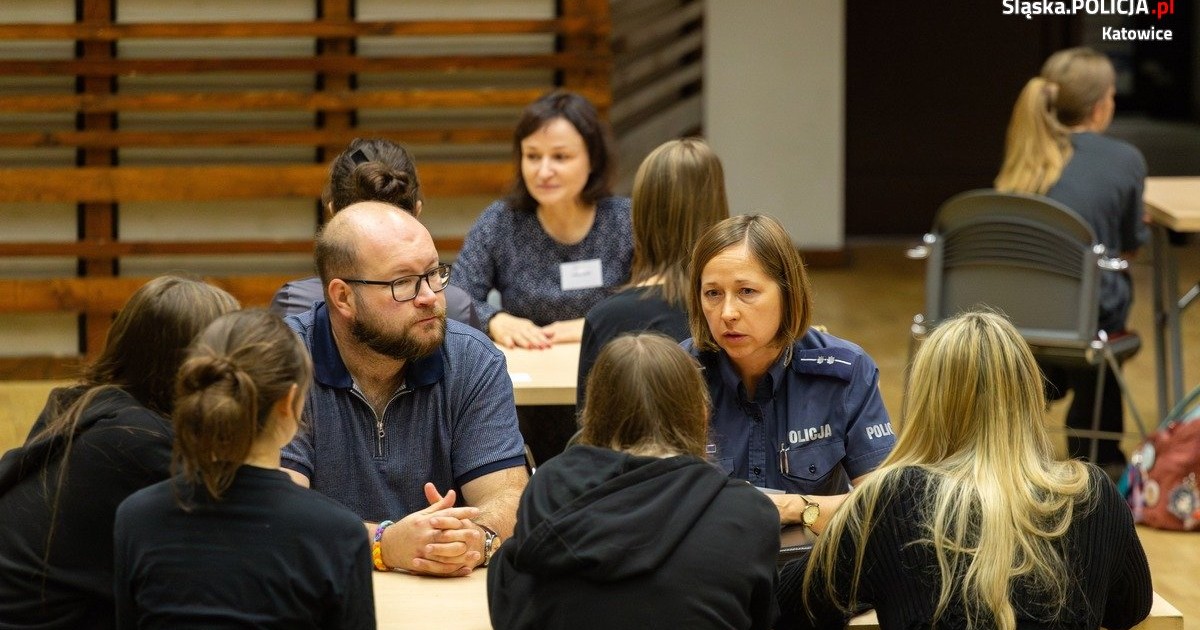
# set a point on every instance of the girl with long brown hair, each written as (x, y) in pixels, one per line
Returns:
(93, 445)
(678, 192)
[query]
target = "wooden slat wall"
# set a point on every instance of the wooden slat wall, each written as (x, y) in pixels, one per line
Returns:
(453, 108)
(658, 52)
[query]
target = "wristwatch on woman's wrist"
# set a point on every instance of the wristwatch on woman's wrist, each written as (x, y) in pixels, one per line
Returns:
(811, 512)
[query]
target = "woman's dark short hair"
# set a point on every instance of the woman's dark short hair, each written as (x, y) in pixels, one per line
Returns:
(582, 115)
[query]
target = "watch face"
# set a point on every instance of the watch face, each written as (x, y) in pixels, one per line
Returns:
(811, 512)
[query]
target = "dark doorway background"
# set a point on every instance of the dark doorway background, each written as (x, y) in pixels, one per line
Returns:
(930, 86)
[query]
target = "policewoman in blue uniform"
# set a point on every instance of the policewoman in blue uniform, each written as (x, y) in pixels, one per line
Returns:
(794, 409)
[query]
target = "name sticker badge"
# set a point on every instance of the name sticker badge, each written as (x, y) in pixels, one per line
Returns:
(581, 274)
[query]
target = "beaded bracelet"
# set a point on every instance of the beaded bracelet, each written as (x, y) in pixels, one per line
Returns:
(377, 547)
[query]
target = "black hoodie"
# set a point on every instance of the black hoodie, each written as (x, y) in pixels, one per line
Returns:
(610, 540)
(119, 447)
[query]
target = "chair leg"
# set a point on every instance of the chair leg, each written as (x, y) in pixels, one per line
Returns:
(916, 334)
(1115, 366)
(1095, 434)
(1094, 447)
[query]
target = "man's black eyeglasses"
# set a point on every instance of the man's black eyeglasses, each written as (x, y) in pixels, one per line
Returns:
(406, 288)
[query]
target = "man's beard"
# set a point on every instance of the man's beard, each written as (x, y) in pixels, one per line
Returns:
(404, 346)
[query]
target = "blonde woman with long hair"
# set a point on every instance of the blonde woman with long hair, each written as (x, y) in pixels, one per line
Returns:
(971, 521)
(1056, 147)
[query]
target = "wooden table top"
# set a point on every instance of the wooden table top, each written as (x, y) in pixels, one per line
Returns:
(404, 602)
(544, 377)
(1174, 202)
(1163, 616)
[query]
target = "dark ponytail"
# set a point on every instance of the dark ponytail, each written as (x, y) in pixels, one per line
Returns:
(237, 370)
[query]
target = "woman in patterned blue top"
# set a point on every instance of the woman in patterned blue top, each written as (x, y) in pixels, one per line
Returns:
(559, 241)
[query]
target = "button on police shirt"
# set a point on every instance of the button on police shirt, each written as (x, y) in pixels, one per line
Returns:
(815, 422)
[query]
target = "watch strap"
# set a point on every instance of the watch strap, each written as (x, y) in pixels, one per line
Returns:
(491, 542)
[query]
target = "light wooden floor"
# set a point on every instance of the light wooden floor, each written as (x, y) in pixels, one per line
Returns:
(872, 301)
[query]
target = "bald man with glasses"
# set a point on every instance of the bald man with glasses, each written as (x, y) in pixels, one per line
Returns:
(410, 420)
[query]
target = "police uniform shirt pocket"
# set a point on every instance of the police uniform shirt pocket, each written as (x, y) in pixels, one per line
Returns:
(807, 468)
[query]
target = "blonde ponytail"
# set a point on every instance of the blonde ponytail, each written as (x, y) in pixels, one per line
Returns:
(1037, 145)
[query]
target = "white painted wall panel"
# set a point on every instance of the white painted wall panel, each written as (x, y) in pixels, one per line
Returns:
(774, 101)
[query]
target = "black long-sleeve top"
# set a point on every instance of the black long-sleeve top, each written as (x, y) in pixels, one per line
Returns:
(64, 580)
(1111, 585)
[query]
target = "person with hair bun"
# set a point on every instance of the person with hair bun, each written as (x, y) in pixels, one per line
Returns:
(1055, 147)
(93, 445)
(369, 169)
(231, 540)
(633, 527)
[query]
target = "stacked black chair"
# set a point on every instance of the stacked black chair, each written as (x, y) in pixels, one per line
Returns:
(1037, 262)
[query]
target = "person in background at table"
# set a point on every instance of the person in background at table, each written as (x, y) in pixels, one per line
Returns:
(554, 247)
(93, 445)
(795, 410)
(405, 405)
(632, 527)
(972, 521)
(1055, 147)
(678, 192)
(559, 241)
(231, 540)
(372, 169)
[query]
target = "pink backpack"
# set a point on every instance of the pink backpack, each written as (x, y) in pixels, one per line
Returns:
(1162, 481)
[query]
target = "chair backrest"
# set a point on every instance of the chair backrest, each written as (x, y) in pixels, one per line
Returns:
(1026, 256)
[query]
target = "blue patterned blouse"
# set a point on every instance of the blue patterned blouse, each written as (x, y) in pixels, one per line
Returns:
(508, 250)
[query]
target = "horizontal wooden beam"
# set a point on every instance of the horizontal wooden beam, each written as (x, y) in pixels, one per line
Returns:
(40, 368)
(205, 30)
(282, 100)
(218, 182)
(645, 34)
(96, 248)
(159, 183)
(108, 294)
(216, 138)
(344, 64)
